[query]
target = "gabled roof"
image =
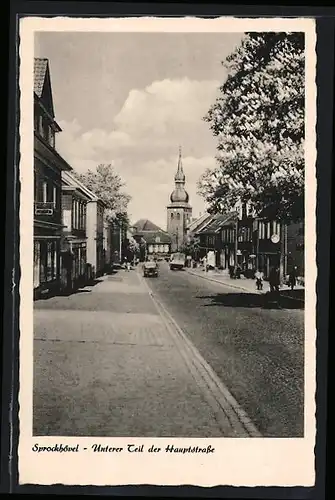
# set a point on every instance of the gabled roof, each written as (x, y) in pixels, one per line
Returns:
(200, 222)
(71, 180)
(217, 222)
(40, 69)
(145, 225)
(42, 84)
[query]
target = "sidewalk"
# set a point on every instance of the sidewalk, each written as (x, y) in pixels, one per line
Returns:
(110, 361)
(243, 284)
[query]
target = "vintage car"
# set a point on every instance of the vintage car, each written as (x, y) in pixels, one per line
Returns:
(150, 268)
(177, 261)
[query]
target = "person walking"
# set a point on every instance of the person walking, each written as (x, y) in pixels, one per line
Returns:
(259, 275)
(293, 277)
(274, 280)
(127, 264)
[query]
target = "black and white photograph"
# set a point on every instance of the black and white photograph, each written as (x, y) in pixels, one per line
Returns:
(170, 236)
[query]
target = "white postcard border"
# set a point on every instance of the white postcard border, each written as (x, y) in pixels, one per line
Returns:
(238, 461)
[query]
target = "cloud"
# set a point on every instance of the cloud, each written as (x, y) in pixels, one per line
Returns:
(167, 111)
(151, 122)
(143, 141)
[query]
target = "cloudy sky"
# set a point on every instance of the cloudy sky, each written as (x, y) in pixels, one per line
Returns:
(131, 99)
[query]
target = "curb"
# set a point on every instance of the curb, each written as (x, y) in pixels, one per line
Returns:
(228, 412)
(224, 284)
(239, 287)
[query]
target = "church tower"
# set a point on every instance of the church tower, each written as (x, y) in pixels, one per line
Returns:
(179, 212)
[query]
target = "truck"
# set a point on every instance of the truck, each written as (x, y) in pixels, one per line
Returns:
(177, 261)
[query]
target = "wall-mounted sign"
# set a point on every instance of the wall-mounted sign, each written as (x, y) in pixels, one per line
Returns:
(275, 238)
(43, 211)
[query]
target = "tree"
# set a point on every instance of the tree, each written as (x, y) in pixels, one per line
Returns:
(142, 249)
(259, 122)
(108, 186)
(191, 247)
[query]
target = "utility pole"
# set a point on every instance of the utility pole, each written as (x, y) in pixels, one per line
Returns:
(120, 241)
(282, 252)
(236, 241)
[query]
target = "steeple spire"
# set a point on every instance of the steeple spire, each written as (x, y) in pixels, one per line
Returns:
(180, 176)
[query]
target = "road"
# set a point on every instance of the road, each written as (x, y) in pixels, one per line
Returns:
(257, 352)
(109, 362)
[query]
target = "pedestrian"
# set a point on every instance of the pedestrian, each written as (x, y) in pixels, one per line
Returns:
(127, 264)
(204, 262)
(293, 277)
(259, 275)
(274, 280)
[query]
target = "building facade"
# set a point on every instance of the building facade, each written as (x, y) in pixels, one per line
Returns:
(219, 235)
(75, 197)
(48, 168)
(95, 236)
(179, 211)
(157, 241)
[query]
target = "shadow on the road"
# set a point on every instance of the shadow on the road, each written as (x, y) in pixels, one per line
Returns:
(69, 292)
(265, 301)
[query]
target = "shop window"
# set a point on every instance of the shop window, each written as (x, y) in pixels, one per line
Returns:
(51, 261)
(36, 263)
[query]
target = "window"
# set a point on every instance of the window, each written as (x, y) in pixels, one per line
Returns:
(178, 216)
(263, 230)
(40, 125)
(171, 216)
(45, 192)
(36, 122)
(48, 260)
(36, 263)
(51, 137)
(54, 196)
(84, 222)
(35, 187)
(45, 129)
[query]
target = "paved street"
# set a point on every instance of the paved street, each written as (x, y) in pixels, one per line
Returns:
(256, 351)
(110, 362)
(202, 361)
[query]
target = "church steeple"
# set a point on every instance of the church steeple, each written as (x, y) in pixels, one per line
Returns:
(180, 176)
(179, 194)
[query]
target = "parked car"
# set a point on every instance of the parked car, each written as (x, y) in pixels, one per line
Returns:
(177, 261)
(150, 268)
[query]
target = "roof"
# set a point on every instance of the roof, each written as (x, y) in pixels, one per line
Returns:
(145, 225)
(198, 223)
(71, 180)
(151, 237)
(40, 69)
(150, 231)
(217, 222)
